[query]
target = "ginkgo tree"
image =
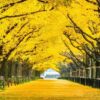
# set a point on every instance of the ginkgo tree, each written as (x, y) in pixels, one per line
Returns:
(82, 39)
(92, 38)
(34, 30)
(21, 23)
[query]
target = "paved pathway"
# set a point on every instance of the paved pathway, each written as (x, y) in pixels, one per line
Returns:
(50, 90)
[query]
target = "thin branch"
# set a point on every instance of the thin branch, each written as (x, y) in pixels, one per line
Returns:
(11, 28)
(77, 47)
(85, 35)
(79, 29)
(21, 15)
(92, 2)
(19, 42)
(82, 63)
(43, 1)
(7, 6)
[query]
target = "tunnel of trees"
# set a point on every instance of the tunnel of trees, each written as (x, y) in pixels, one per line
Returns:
(79, 32)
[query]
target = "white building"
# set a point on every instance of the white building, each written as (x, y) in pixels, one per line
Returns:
(51, 74)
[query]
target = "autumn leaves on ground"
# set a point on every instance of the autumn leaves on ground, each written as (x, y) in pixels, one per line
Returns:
(50, 90)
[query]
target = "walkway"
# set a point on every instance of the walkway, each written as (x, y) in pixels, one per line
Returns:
(50, 90)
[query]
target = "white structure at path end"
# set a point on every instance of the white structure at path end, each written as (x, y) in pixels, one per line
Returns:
(50, 74)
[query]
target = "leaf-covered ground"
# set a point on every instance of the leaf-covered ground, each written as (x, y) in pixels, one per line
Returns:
(50, 90)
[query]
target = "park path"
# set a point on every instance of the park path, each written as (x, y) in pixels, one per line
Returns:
(50, 90)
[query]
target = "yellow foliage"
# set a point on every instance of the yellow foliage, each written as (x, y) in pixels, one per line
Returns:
(49, 22)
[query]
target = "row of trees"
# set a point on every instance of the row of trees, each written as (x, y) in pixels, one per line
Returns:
(84, 46)
(17, 72)
(16, 30)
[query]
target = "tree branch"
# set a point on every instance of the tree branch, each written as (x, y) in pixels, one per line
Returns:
(21, 15)
(7, 6)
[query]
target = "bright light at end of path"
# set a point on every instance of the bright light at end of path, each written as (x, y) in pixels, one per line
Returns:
(50, 74)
